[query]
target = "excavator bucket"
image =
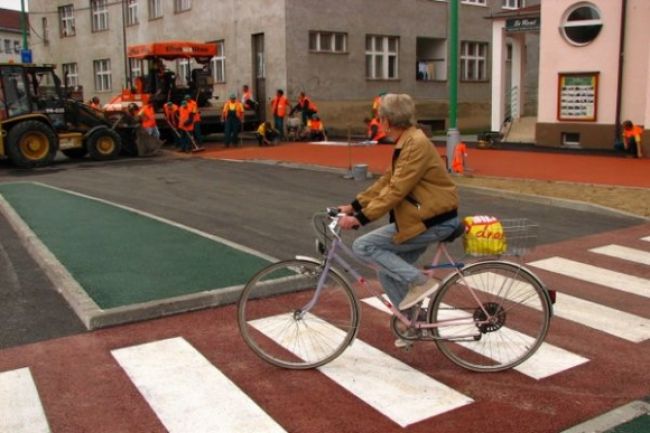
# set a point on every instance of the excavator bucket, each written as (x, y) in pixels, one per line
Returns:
(146, 144)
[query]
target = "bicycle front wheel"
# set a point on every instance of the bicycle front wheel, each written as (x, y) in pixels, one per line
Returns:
(286, 321)
(494, 316)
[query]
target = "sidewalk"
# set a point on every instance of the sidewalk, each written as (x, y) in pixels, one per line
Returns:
(539, 165)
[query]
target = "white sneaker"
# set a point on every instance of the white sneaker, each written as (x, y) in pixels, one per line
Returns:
(401, 343)
(418, 293)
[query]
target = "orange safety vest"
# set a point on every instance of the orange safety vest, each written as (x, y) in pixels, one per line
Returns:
(236, 106)
(306, 103)
(279, 106)
(183, 116)
(460, 152)
(171, 113)
(148, 116)
(195, 109)
(635, 132)
(315, 125)
(380, 131)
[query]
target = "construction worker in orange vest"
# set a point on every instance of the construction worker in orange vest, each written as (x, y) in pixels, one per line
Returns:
(148, 119)
(232, 116)
(185, 126)
(197, 118)
(376, 132)
(632, 139)
(279, 106)
(306, 107)
(94, 103)
(315, 129)
(376, 103)
(171, 116)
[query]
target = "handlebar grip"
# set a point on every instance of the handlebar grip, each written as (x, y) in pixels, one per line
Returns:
(333, 211)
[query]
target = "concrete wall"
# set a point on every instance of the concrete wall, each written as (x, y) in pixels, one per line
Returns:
(635, 70)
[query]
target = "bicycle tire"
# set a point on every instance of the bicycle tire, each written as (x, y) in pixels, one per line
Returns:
(514, 299)
(271, 323)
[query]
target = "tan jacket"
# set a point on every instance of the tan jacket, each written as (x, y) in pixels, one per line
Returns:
(416, 189)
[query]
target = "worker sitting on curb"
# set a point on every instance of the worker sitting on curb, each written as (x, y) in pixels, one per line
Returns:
(376, 132)
(266, 135)
(631, 139)
(315, 129)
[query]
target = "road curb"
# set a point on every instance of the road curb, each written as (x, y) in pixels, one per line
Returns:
(613, 418)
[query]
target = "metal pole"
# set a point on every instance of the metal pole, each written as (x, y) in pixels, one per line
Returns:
(23, 23)
(453, 136)
(127, 69)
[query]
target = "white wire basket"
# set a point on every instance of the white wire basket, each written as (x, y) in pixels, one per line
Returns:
(506, 237)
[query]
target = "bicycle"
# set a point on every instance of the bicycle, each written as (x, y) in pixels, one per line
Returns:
(486, 316)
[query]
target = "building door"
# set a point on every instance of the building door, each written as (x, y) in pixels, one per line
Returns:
(259, 73)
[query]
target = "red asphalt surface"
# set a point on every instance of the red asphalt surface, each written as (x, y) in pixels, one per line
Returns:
(603, 170)
(83, 389)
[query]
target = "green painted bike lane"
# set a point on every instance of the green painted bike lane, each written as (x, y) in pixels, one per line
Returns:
(120, 257)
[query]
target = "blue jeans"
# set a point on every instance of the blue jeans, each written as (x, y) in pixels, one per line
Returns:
(279, 125)
(396, 271)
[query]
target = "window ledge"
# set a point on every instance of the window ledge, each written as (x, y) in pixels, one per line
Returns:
(383, 79)
(329, 52)
(474, 81)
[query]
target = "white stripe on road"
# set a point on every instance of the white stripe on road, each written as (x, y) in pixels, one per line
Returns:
(605, 319)
(188, 393)
(400, 392)
(647, 239)
(547, 361)
(20, 406)
(625, 253)
(593, 274)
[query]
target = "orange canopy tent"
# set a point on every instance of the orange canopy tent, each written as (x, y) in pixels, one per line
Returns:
(171, 50)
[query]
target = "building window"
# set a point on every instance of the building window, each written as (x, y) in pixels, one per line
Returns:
(514, 4)
(136, 67)
(99, 15)
(132, 13)
(474, 2)
(431, 57)
(155, 9)
(473, 61)
(17, 47)
(71, 71)
(45, 30)
(328, 42)
(382, 57)
(8, 46)
(103, 79)
(183, 71)
(66, 21)
(581, 24)
(182, 5)
(218, 64)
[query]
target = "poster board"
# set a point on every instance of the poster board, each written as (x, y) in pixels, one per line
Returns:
(578, 96)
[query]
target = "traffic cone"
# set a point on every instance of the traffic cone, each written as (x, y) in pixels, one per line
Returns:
(460, 153)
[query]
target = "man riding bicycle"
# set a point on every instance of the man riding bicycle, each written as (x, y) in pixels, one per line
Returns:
(421, 199)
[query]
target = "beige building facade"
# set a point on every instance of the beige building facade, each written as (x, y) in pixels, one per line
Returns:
(594, 64)
(10, 36)
(341, 52)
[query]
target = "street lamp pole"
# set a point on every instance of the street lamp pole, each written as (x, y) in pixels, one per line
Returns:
(127, 69)
(453, 136)
(23, 23)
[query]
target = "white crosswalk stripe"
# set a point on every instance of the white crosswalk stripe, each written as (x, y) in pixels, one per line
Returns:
(625, 253)
(596, 275)
(189, 394)
(647, 239)
(20, 406)
(547, 361)
(400, 392)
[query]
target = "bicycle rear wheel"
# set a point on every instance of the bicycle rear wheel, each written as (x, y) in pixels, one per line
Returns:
(500, 323)
(276, 323)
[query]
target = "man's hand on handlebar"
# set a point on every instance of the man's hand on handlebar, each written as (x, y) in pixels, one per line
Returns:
(346, 209)
(348, 222)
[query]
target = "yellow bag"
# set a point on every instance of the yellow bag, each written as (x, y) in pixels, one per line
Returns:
(484, 235)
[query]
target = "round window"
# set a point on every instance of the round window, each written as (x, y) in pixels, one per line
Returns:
(581, 24)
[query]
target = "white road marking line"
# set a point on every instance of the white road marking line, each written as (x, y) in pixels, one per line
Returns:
(547, 361)
(20, 406)
(625, 253)
(600, 317)
(188, 393)
(400, 392)
(596, 275)
(647, 239)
